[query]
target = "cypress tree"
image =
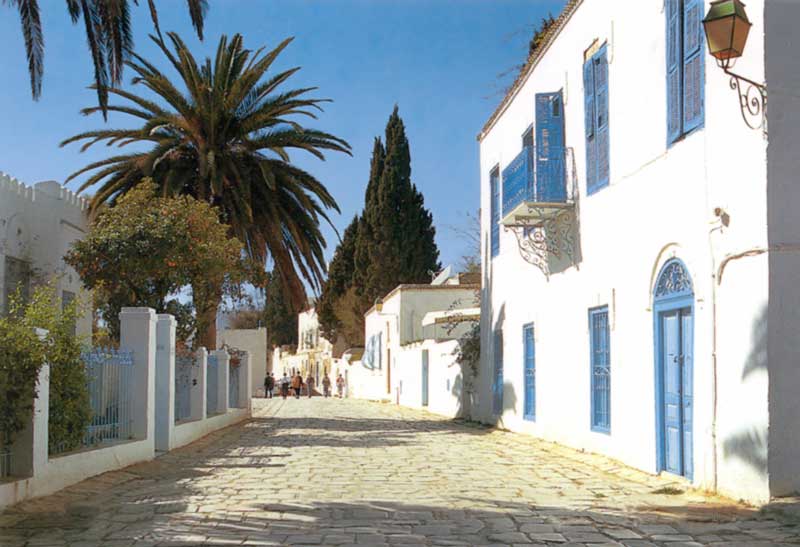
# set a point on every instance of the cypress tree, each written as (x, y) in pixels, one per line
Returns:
(392, 242)
(279, 316)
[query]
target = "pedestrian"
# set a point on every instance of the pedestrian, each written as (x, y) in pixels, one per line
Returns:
(310, 385)
(269, 385)
(340, 386)
(326, 386)
(297, 385)
(285, 385)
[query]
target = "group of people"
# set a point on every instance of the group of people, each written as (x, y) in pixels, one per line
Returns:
(295, 384)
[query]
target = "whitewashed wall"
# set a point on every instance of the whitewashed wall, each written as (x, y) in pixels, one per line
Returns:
(659, 204)
(38, 225)
(254, 341)
(445, 380)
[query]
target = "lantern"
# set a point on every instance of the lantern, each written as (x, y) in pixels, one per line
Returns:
(726, 27)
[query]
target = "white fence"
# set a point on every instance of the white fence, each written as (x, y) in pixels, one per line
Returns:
(144, 400)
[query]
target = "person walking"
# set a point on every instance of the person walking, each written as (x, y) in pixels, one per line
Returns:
(326, 386)
(297, 385)
(340, 386)
(285, 385)
(310, 385)
(269, 385)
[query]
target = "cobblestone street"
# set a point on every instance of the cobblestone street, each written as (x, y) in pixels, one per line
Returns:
(336, 472)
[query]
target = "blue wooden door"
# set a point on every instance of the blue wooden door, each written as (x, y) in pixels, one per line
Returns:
(424, 377)
(676, 358)
(530, 372)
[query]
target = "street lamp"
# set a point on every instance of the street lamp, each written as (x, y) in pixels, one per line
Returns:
(727, 27)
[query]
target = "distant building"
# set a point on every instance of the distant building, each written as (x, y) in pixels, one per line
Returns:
(254, 341)
(411, 335)
(37, 227)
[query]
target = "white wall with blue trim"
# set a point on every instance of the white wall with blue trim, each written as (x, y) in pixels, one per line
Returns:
(666, 197)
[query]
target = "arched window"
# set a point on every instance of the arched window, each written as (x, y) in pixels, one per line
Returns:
(673, 281)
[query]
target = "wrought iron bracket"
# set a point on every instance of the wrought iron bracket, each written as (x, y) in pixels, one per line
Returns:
(552, 239)
(752, 100)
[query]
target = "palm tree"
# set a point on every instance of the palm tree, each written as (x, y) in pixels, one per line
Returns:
(225, 139)
(108, 35)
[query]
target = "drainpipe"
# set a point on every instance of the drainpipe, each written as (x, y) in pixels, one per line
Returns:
(723, 220)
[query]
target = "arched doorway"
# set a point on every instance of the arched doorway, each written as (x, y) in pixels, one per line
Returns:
(673, 309)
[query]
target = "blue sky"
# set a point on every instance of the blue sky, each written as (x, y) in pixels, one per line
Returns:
(437, 59)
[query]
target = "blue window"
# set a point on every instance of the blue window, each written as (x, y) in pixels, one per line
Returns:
(494, 182)
(529, 354)
(685, 68)
(600, 349)
(595, 88)
(497, 381)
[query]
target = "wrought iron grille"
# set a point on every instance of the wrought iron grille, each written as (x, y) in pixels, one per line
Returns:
(186, 372)
(233, 386)
(109, 380)
(212, 381)
(601, 370)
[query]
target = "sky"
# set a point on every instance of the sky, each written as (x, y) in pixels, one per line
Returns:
(438, 60)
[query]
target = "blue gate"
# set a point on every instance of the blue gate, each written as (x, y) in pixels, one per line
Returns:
(185, 377)
(233, 386)
(529, 352)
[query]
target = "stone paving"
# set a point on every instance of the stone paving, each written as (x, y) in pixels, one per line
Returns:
(330, 472)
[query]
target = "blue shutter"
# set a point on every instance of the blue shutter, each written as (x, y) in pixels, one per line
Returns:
(494, 183)
(497, 382)
(550, 167)
(600, 370)
(674, 64)
(529, 354)
(601, 125)
(693, 66)
(589, 119)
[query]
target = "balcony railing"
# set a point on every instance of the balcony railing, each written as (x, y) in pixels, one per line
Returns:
(523, 184)
(518, 180)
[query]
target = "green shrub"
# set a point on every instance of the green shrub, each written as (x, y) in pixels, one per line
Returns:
(22, 353)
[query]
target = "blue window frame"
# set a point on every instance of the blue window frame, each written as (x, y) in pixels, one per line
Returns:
(595, 88)
(685, 68)
(600, 357)
(529, 355)
(497, 381)
(494, 182)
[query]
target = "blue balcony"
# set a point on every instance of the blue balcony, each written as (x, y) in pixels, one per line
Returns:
(530, 195)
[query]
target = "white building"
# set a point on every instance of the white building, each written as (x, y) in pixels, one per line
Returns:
(37, 227)
(641, 247)
(410, 339)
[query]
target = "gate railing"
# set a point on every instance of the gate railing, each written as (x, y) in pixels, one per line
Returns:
(109, 380)
(212, 380)
(186, 373)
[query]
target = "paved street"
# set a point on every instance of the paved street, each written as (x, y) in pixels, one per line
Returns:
(350, 472)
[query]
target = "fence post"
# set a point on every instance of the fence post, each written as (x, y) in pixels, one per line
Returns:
(223, 362)
(138, 335)
(29, 451)
(165, 381)
(198, 397)
(245, 382)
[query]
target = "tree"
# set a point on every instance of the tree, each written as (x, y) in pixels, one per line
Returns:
(390, 243)
(403, 248)
(109, 36)
(280, 317)
(330, 309)
(145, 249)
(226, 141)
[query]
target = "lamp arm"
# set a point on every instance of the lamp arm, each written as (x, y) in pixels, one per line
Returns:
(752, 100)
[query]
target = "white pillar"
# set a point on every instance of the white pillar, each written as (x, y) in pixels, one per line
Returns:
(165, 381)
(198, 391)
(138, 335)
(245, 381)
(29, 449)
(223, 362)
